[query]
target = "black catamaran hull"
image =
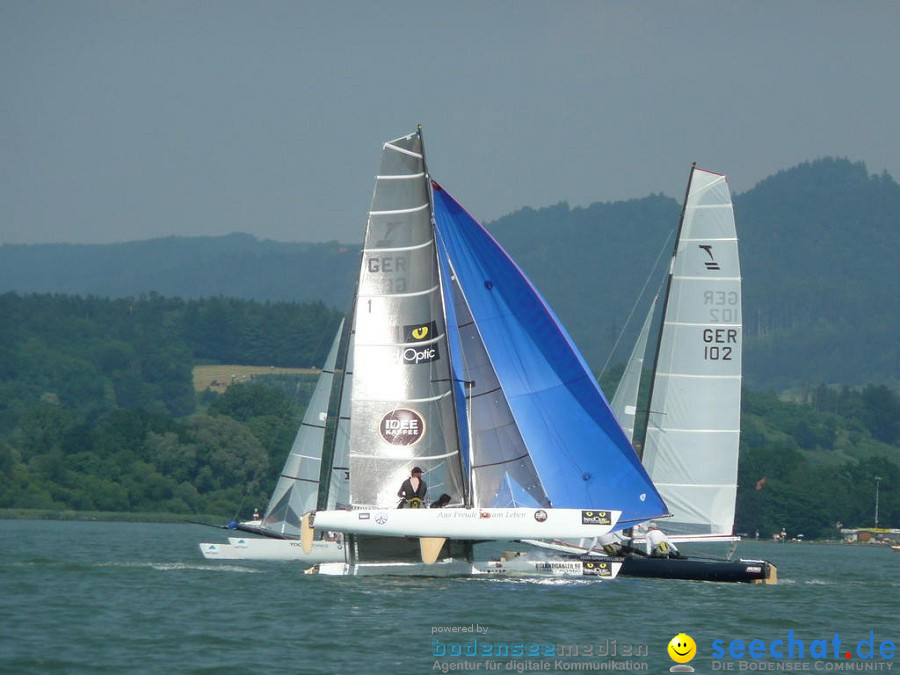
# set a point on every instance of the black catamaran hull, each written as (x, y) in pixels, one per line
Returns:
(746, 571)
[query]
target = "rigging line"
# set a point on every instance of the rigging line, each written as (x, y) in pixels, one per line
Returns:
(302, 480)
(503, 461)
(634, 307)
(485, 393)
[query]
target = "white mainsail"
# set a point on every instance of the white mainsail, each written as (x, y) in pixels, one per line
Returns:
(402, 390)
(693, 428)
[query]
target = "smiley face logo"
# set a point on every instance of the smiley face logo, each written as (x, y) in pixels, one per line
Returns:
(682, 648)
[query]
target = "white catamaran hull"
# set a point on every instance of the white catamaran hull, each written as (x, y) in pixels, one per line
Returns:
(508, 566)
(451, 567)
(471, 524)
(252, 548)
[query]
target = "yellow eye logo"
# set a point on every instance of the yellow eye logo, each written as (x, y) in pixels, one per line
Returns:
(682, 648)
(420, 333)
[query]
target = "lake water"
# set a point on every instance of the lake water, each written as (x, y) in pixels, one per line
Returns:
(96, 597)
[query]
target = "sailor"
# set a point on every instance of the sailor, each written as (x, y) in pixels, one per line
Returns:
(412, 491)
(441, 502)
(658, 544)
(612, 543)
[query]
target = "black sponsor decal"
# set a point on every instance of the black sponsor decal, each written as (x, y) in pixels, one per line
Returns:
(596, 569)
(595, 518)
(402, 427)
(419, 332)
(711, 264)
(363, 516)
(540, 515)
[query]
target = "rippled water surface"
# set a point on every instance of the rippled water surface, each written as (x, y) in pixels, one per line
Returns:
(123, 597)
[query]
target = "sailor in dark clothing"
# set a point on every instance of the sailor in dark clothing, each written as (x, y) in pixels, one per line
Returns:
(441, 501)
(413, 490)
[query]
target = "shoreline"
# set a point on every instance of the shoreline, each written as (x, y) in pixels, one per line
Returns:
(219, 521)
(112, 516)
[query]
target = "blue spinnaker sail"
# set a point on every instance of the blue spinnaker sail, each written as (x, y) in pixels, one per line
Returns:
(578, 448)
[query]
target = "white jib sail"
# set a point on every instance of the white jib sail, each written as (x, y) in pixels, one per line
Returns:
(693, 432)
(624, 402)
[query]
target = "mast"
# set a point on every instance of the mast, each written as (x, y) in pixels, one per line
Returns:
(665, 309)
(446, 283)
(334, 410)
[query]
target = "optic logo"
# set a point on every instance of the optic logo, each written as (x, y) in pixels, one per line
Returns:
(402, 427)
(419, 332)
(595, 518)
(596, 569)
(415, 355)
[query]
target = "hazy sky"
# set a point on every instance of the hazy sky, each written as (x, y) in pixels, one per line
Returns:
(123, 119)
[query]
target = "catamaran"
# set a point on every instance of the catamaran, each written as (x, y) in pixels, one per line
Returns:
(691, 432)
(461, 368)
(296, 492)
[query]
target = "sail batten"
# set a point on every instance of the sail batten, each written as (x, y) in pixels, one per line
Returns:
(427, 291)
(670, 429)
(358, 455)
(405, 151)
(385, 249)
(431, 399)
(695, 375)
(710, 280)
(408, 176)
(704, 485)
(397, 212)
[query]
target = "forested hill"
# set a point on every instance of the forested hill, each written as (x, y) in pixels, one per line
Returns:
(819, 250)
(233, 266)
(819, 244)
(98, 412)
